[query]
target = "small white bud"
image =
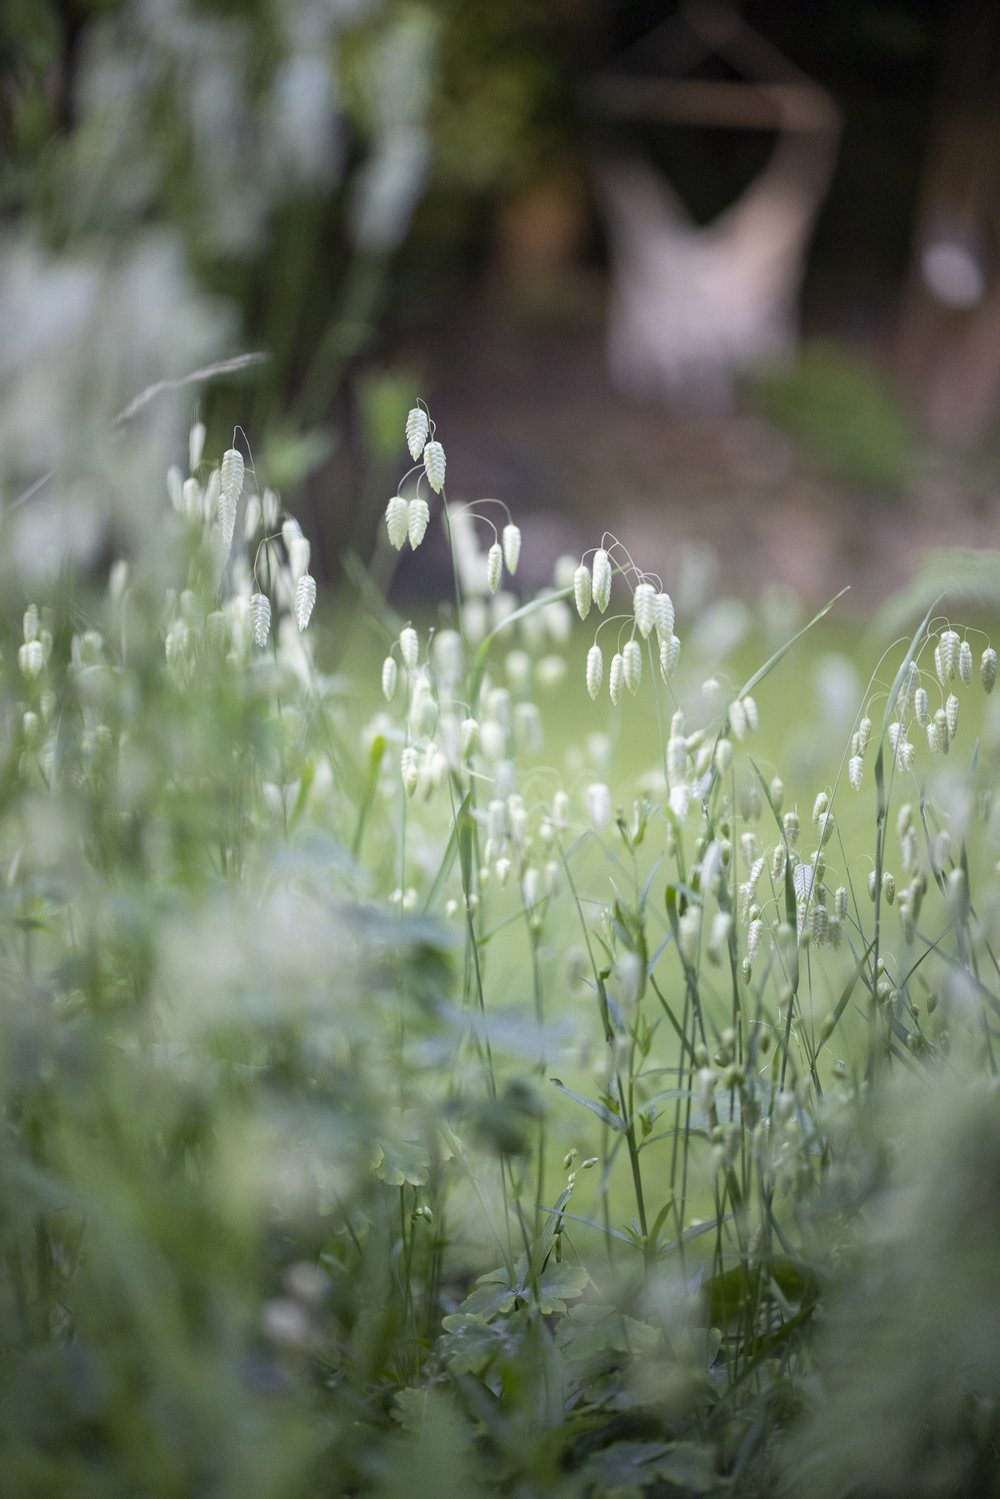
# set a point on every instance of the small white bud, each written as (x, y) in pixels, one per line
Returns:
(468, 737)
(752, 715)
(723, 755)
(390, 676)
(965, 662)
(988, 668)
(777, 789)
(738, 718)
(855, 771)
(922, 707)
(31, 658)
(951, 715)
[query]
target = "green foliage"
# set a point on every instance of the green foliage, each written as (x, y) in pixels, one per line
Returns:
(390, 1100)
(844, 415)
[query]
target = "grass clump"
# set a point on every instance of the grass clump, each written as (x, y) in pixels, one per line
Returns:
(394, 1098)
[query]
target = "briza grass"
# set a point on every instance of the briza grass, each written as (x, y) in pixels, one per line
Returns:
(509, 1063)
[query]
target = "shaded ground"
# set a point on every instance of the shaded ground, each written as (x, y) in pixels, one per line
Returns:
(527, 414)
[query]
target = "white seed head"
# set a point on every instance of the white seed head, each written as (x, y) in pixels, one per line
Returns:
(599, 804)
(922, 707)
(677, 759)
(30, 623)
(418, 515)
(501, 870)
(468, 737)
(632, 665)
(434, 465)
(988, 668)
(777, 790)
(856, 771)
(944, 738)
(581, 590)
(820, 805)
(791, 824)
(260, 618)
(951, 715)
(397, 514)
(934, 741)
(560, 811)
(409, 769)
(738, 718)
(949, 644)
(616, 676)
(723, 755)
(31, 658)
(390, 676)
(755, 935)
(888, 887)
(417, 429)
(409, 647)
(595, 670)
(511, 541)
(965, 663)
(664, 614)
(864, 734)
(670, 654)
(231, 475)
(752, 715)
(305, 600)
(494, 567)
(602, 579)
(644, 608)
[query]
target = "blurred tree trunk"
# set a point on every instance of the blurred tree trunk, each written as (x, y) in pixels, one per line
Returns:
(949, 345)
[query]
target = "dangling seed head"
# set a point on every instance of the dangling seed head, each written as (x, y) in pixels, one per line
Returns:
(397, 520)
(409, 769)
(434, 465)
(790, 822)
(616, 676)
(390, 676)
(864, 734)
(632, 665)
(230, 489)
(840, 902)
(949, 644)
(644, 608)
(738, 718)
(723, 757)
(988, 668)
(951, 715)
(409, 647)
(417, 520)
(670, 654)
(418, 427)
(260, 618)
(922, 707)
(820, 805)
(965, 662)
(599, 804)
(777, 789)
(581, 590)
(305, 600)
(595, 670)
(494, 567)
(664, 613)
(511, 541)
(601, 588)
(855, 771)
(888, 887)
